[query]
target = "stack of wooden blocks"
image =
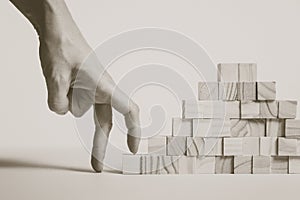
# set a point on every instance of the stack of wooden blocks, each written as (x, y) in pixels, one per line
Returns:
(235, 127)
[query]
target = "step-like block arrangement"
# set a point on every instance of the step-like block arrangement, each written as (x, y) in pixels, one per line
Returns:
(236, 126)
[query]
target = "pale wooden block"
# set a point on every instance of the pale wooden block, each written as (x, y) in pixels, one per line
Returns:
(266, 90)
(279, 164)
(287, 147)
(203, 109)
(232, 109)
(169, 165)
(208, 91)
(275, 127)
(292, 128)
(176, 146)
(247, 127)
(157, 145)
(268, 146)
(250, 146)
(232, 146)
(268, 109)
(187, 165)
(250, 109)
(294, 165)
(205, 165)
(261, 165)
(247, 72)
(224, 165)
(287, 109)
(199, 146)
(228, 72)
(211, 128)
(228, 91)
(247, 91)
(182, 127)
(243, 164)
(131, 164)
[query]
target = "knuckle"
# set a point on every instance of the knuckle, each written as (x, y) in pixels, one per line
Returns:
(58, 108)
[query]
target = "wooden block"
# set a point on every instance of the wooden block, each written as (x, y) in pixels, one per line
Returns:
(208, 91)
(199, 146)
(232, 146)
(292, 128)
(294, 165)
(275, 127)
(176, 146)
(247, 72)
(157, 145)
(224, 165)
(250, 109)
(205, 165)
(228, 91)
(268, 109)
(247, 127)
(268, 146)
(203, 109)
(287, 109)
(187, 165)
(243, 164)
(261, 165)
(169, 165)
(279, 164)
(228, 72)
(131, 164)
(250, 146)
(232, 109)
(182, 127)
(211, 128)
(247, 91)
(266, 90)
(287, 147)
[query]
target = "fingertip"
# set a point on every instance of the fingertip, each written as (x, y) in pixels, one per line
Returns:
(133, 143)
(96, 165)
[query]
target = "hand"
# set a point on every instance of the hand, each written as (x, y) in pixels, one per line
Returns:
(75, 83)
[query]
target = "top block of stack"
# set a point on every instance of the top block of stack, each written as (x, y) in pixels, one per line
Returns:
(237, 72)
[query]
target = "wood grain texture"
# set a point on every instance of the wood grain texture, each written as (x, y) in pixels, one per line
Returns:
(203, 109)
(199, 146)
(250, 109)
(266, 90)
(242, 164)
(261, 165)
(287, 109)
(157, 145)
(268, 109)
(250, 146)
(275, 127)
(247, 72)
(182, 127)
(294, 165)
(205, 165)
(224, 165)
(187, 165)
(176, 146)
(228, 91)
(247, 91)
(211, 128)
(279, 165)
(247, 127)
(232, 109)
(268, 146)
(292, 128)
(228, 72)
(208, 91)
(232, 146)
(287, 147)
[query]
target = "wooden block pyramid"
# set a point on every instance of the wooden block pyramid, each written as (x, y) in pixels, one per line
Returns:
(235, 127)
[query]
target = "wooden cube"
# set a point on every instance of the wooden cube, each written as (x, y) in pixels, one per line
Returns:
(228, 72)
(250, 109)
(294, 165)
(247, 91)
(266, 90)
(287, 147)
(228, 91)
(279, 164)
(182, 127)
(268, 146)
(203, 109)
(224, 165)
(211, 128)
(261, 165)
(131, 164)
(275, 127)
(205, 165)
(232, 109)
(232, 146)
(199, 146)
(247, 72)
(187, 165)
(157, 145)
(208, 91)
(247, 127)
(176, 146)
(268, 109)
(243, 164)
(287, 109)
(292, 128)
(250, 146)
